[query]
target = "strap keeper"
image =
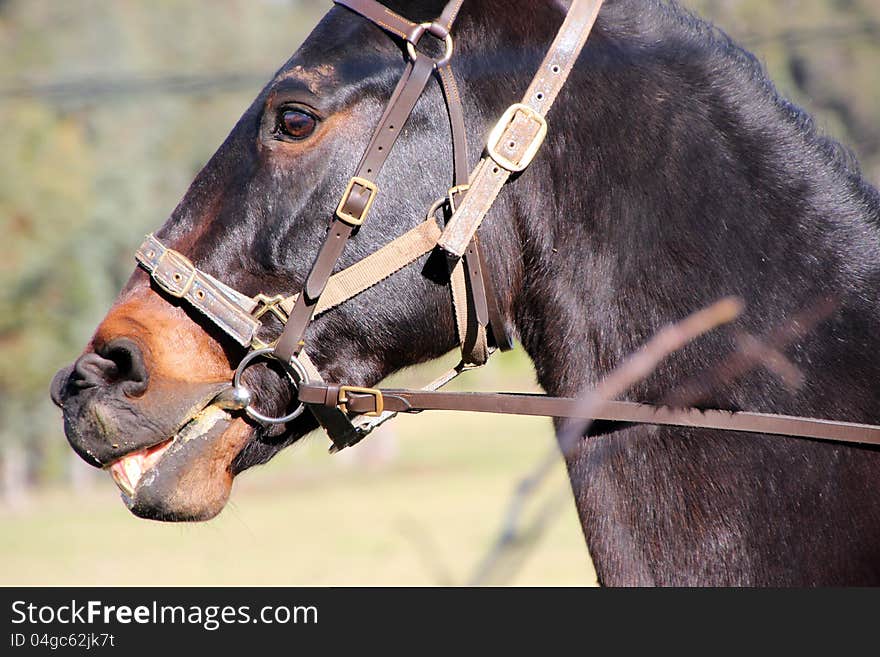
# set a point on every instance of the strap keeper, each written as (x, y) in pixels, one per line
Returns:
(454, 192)
(501, 140)
(355, 216)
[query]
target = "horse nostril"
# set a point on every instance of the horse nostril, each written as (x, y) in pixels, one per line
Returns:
(118, 363)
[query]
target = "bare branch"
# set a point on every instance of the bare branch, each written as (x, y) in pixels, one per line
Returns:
(637, 368)
(645, 361)
(751, 353)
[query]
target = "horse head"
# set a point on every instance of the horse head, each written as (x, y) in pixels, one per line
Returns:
(254, 218)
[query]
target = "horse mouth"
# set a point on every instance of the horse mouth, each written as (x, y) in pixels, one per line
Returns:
(128, 471)
(159, 482)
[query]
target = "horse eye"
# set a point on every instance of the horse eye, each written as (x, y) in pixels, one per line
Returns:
(297, 124)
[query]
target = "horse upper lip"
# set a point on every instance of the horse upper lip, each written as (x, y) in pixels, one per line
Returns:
(59, 382)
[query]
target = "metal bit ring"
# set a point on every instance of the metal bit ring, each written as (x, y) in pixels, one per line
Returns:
(295, 371)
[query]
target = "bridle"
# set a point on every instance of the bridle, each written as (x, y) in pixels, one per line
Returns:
(350, 413)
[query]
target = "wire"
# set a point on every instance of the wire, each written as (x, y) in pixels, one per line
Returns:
(166, 85)
(200, 84)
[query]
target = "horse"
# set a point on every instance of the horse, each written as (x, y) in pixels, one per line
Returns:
(674, 173)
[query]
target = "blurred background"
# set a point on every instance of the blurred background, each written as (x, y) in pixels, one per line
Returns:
(108, 109)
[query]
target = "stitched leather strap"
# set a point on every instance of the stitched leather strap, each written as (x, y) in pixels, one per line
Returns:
(407, 94)
(381, 16)
(516, 138)
(178, 277)
(416, 401)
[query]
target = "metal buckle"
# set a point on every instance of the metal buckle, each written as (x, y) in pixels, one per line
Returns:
(437, 30)
(268, 305)
(449, 199)
(342, 399)
(350, 219)
(499, 131)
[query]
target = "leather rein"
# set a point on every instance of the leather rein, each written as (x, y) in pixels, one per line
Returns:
(350, 413)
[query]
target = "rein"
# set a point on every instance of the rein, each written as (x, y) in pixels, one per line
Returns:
(350, 413)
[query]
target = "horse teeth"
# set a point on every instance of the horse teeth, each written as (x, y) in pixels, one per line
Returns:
(121, 478)
(134, 467)
(128, 471)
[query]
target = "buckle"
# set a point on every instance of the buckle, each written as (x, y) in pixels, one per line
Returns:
(348, 217)
(267, 305)
(272, 305)
(436, 30)
(342, 399)
(511, 147)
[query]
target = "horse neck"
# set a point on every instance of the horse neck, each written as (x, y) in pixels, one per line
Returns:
(674, 175)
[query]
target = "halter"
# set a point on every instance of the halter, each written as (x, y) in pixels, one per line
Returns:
(350, 413)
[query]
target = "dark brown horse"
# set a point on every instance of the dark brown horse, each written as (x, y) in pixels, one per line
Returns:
(673, 174)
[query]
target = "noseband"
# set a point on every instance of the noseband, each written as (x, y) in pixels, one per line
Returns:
(350, 413)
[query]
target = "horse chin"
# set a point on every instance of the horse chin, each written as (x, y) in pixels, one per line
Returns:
(187, 478)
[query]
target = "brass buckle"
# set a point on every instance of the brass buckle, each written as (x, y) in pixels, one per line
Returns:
(350, 219)
(342, 399)
(268, 305)
(449, 199)
(500, 130)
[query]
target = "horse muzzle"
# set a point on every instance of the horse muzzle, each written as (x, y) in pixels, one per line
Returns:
(167, 446)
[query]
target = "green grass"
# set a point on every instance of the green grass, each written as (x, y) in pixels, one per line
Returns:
(307, 518)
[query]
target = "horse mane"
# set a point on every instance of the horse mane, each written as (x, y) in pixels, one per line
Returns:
(649, 23)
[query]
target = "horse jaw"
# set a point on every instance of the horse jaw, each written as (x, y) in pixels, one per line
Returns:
(187, 478)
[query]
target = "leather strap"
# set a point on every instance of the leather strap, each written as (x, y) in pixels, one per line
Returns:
(450, 13)
(461, 167)
(375, 268)
(520, 132)
(179, 278)
(468, 286)
(416, 401)
(381, 16)
(338, 426)
(407, 94)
